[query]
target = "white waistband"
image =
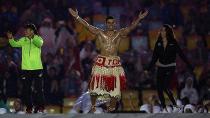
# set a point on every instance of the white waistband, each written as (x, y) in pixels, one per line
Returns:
(166, 65)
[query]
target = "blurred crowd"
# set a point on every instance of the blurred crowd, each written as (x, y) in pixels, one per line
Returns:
(69, 49)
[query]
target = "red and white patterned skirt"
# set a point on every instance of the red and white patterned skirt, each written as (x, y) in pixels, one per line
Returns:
(107, 77)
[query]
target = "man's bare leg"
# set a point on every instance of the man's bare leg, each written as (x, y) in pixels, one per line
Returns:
(93, 103)
(113, 103)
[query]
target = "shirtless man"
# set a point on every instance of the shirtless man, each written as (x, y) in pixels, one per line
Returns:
(107, 77)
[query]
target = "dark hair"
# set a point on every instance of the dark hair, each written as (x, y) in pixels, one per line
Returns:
(188, 111)
(169, 33)
(32, 27)
(109, 17)
(18, 100)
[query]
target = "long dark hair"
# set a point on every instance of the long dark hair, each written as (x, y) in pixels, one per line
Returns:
(169, 33)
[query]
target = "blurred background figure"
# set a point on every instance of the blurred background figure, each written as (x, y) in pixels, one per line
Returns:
(189, 91)
(3, 107)
(18, 107)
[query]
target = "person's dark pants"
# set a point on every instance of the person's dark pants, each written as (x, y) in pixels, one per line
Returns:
(3, 96)
(32, 91)
(164, 75)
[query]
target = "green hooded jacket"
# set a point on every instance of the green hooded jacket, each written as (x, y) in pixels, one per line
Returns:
(31, 52)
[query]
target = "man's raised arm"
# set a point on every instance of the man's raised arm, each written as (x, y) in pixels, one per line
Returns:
(127, 30)
(91, 28)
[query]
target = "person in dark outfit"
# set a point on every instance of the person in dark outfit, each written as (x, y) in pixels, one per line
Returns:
(164, 57)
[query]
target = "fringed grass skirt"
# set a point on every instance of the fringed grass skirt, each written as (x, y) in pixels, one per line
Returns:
(107, 77)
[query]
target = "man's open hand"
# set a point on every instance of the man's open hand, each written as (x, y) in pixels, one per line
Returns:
(74, 13)
(143, 14)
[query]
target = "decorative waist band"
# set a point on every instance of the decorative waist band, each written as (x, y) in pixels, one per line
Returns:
(107, 61)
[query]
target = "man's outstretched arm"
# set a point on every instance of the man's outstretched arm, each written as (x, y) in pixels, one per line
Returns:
(91, 28)
(127, 30)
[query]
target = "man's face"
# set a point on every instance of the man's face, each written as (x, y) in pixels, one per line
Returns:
(28, 32)
(110, 24)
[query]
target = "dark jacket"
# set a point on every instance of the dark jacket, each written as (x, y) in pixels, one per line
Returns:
(167, 55)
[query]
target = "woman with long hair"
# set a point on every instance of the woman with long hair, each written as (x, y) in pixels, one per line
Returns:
(164, 57)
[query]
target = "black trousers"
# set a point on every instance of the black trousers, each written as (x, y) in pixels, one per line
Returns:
(3, 95)
(164, 75)
(32, 91)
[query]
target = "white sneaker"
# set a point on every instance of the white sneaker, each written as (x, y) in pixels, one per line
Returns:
(177, 109)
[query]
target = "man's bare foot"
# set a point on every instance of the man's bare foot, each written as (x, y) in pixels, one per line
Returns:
(110, 109)
(93, 109)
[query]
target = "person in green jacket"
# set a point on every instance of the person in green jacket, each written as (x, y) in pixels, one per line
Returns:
(31, 67)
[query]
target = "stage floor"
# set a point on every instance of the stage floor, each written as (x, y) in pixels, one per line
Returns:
(114, 115)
